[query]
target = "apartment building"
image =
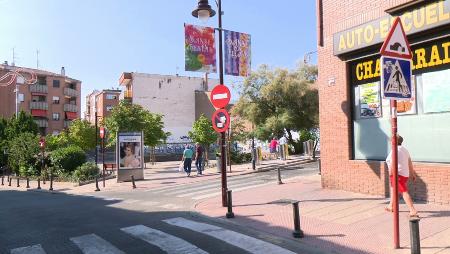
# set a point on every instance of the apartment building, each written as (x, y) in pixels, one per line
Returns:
(52, 99)
(101, 102)
(180, 99)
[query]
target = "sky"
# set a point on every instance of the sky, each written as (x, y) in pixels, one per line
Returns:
(97, 40)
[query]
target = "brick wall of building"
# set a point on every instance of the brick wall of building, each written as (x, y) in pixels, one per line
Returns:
(339, 171)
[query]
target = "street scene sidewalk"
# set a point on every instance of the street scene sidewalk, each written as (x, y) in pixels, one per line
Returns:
(333, 220)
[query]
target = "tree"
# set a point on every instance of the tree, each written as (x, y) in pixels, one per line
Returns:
(82, 134)
(22, 152)
(23, 123)
(279, 101)
(3, 141)
(131, 117)
(203, 133)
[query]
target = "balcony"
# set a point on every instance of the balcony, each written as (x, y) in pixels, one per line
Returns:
(69, 92)
(41, 89)
(128, 94)
(67, 123)
(42, 123)
(39, 105)
(70, 108)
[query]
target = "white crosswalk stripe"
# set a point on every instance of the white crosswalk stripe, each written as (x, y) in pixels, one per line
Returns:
(168, 243)
(230, 186)
(93, 244)
(242, 241)
(209, 195)
(34, 249)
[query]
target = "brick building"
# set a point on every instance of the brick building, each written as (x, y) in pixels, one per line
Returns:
(52, 99)
(355, 119)
(102, 102)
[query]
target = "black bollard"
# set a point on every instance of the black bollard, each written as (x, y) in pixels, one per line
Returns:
(298, 233)
(43, 180)
(7, 179)
(51, 182)
(279, 176)
(28, 183)
(415, 236)
(320, 167)
(3, 180)
(132, 180)
(39, 184)
(230, 213)
(96, 184)
(18, 182)
(10, 179)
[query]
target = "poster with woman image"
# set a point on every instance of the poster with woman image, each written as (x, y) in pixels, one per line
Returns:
(369, 100)
(130, 151)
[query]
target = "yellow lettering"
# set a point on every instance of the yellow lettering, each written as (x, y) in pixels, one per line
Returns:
(418, 23)
(377, 68)
(435, 58)
(442, 14)
(384, 28)
(359, 71)
(431, 13)
(420, 56)
(406, 21)
(368, 69)
(342, 43)
(351, 40)
(368, 34)
(358, 33)
(446, 56)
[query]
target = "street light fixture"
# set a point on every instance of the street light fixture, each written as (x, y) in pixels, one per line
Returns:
(203, 12)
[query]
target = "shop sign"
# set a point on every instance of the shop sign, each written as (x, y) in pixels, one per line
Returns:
(423, 18)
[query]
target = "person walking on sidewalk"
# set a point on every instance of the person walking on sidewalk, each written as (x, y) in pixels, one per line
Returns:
(273, 146)
(405, 170)
(199, 158)
(187, 160)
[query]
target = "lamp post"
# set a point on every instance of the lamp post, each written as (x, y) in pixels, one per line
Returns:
(203, 12)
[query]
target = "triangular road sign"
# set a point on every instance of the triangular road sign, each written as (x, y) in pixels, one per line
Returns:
(396, 43)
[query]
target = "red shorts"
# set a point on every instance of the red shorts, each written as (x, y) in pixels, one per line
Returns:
(402, 183)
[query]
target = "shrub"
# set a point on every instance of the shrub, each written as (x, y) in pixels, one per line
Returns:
(238, 157)
(68, 158)
(85, 172)
(22, 152)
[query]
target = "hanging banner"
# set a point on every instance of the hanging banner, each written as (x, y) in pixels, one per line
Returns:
(237, 53)
(200, 48)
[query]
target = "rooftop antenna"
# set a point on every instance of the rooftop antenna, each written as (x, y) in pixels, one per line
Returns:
(37, 58)
(14, 58)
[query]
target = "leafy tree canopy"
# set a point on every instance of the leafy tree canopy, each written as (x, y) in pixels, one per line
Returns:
(203, 132)
(23, 123)
(23, 150)
(82, 134)
(131, 117)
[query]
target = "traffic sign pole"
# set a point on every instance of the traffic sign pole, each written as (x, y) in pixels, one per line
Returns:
(394, 170)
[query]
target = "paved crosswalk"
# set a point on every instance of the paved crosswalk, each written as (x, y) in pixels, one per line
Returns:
(166, 242)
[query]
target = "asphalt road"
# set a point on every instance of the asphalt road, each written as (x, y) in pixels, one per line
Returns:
(155, 221)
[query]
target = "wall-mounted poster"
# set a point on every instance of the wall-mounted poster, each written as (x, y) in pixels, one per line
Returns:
(436, 91)
(130, 155)
(369, 100)
(408, 107)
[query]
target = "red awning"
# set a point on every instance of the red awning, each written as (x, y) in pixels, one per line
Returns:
(38, 94)
(39, 112)
(71, 115)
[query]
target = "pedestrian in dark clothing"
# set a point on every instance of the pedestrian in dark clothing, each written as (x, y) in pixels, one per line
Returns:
(199, 158)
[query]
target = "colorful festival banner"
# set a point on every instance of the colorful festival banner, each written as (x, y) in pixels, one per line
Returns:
(237, 53)
(200, 48)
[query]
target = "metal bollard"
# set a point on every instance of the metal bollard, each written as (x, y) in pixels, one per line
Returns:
(415, 236)
(96, 184)
(18, 182)
(279, 176)
(10, 179)
(39, 184)
(298, 233)
(320, 167)
(43, 180)
(3, 177)
(28, 183)
(132, 180)
(230, 213)
(51, 182)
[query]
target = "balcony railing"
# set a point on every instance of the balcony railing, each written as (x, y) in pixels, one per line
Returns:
(128, 94)
(70, 92)
(38, 88)
(41, 123)
(70, 108)
(39, 105)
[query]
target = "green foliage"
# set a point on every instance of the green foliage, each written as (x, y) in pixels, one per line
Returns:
(203, 132)
(134, 118)
(23, 123)
(239, 157)
(82, 134)
(54, 142)
(238, 131)
(85, 172)
(3, 141)
(68, 158)
(22, 152)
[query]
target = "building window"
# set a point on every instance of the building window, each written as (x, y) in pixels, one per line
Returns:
(41, 81)
(111, 96)
(109, 108)
(55, 83)
(56, 116)
(55, 100)
(38, 99)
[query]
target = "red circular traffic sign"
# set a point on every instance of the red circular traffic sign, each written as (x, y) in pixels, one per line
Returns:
(220, 120)
(102, 132)
(42, 142)
(220, 96)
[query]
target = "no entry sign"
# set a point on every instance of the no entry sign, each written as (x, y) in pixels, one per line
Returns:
(102, 132)
(220, 120)
(220, 96)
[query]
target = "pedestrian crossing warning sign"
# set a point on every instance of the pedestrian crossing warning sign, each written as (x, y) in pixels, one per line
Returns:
(396, 78)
